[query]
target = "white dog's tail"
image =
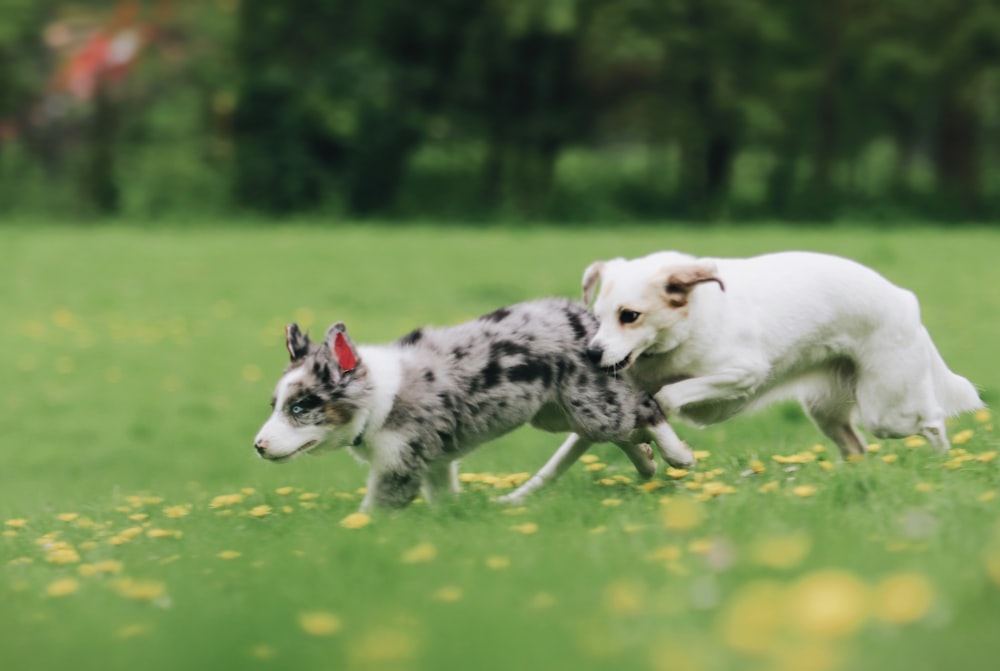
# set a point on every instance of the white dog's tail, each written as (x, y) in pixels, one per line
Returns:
(955, 393)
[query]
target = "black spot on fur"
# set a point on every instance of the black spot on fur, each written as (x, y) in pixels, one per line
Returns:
(529, 372)
(507, 348)
(460, 353)
(579, 330)
(447, 441)
(429, 375)
(412, 337)
(497, 315)
(417, 450)
(490, 376)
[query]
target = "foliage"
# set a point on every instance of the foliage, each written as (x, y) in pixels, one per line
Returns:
(138, 528)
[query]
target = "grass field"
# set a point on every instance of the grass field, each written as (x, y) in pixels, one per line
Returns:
(139, 530)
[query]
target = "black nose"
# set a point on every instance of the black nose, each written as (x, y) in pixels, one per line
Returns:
(260, 446)
(595, 354)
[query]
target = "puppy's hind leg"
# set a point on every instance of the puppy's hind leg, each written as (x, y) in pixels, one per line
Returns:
(440, 481)
(641, 456)
(567, 454)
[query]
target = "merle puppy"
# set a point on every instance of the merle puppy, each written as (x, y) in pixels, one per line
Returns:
(412, 408)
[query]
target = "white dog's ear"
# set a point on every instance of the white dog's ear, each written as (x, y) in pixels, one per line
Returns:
(296, 342)
(682, 279)
(591, 278)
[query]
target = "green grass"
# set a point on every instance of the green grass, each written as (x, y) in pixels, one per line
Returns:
(137, 366)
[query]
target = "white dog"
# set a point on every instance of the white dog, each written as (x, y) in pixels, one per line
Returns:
(712, 338)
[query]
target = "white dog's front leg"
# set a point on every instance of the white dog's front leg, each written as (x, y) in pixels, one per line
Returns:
(565, 456)
(727, 384)
(440, 481)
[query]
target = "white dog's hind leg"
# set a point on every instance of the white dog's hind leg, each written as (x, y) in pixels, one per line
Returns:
(828, 398)
(641, 456)
(567, 454)
(440, 482)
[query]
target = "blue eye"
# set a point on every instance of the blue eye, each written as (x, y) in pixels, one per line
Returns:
(297, 410)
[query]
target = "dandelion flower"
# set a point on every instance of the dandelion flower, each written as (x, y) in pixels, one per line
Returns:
(177, 511)
(611, 502)
(753, 620)
(769, 487)
(701, 455)
(757, 466)
(987, 496)
(62, 555)
(596, 466)
(924, 487)
(624, 597)
(527, 528)
(915, 441)
(589, 458)
(67, 517)
(164, 533)
(649, 486)
(902, 598)
(284, 491)
(677, 473)
(419, 553)
(962, 437)
(260, 511)
(381, 647)
(140, 590)
(448, 594)
(355, 521)
(498, 562)
(987, 457)
(229, 554)
(224, 500)
(681, 514)
(62, 587)
(982, 416)
(890, 458)
(16, 523)
(308, 496)
(828, 604)
(804, 491)
(319, 623)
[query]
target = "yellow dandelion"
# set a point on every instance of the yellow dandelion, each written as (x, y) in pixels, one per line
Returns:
(991, 560)
(826, 466)
(986, 457)
(62, 587)
(177, 511)
(890, 458)
(676, 473)
(915, 441)
(800, 458)
(597, 466)
(828, 604)
(62, 555)
(107, 566)
(611, 502)
(769, 487)
(9, 533)
(140, 590)
(962, 437)
(752, 622)
(924, 487)
(649, 486)
(902, 598)
(260, 511)
(284, 491)
(781, 552)
(713, 489)
(665, 553)
(224, 500)
(589, 459)
(700, 546)
(987, 496)
(229, 554)
(701, 455)
(804, 491)
(818, 448)
(419, 553)
(16, 523)
(874, 447)
(356, 521)
(600, 529)
(757, 466)
(527, 528)
(308, 496)
(624, 597)
(319, 623)
(164, 533)
(447, 594)
(67, 517)
(982, 415)
(497, 562)
(681, 514)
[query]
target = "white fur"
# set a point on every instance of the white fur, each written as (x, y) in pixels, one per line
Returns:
(834, 334)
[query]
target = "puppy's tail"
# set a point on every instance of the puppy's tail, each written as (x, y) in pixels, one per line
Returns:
(955, 393)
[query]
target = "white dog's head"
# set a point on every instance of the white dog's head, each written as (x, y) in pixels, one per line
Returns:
(642, 304)
(321, 398)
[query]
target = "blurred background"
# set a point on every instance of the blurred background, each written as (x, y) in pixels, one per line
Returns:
(567, 110)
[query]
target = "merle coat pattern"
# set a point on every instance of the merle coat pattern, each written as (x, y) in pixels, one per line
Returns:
(412, 408)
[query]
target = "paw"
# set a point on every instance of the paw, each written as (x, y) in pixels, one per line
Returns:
(680, 457)
(512, 499)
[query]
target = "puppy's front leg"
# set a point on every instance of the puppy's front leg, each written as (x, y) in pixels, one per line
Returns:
(390, 488)
(727, 384)
(440, 481)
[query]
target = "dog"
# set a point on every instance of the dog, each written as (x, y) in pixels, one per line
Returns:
(412, 408)
(714, 338)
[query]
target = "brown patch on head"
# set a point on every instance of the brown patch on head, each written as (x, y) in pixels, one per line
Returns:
(682, 279)
(336, 414)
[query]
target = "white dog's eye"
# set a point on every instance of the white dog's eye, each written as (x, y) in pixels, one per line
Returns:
(627, 316)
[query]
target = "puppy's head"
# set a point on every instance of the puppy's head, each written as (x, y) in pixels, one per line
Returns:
(642, 304)
(318, 399)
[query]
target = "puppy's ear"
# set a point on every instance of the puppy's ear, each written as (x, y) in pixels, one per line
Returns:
(338, 347)
(591, 278)
(296, 342)
(682, 279)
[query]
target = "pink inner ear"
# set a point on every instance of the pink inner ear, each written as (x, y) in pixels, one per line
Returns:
(288, 341)
(344, 353)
